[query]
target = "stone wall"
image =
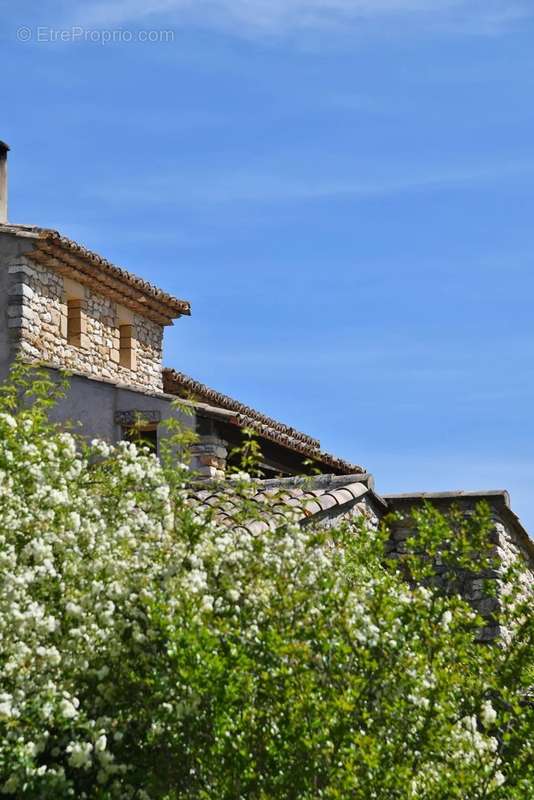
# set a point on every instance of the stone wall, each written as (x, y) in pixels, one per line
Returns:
(208, 457)
(4, 319)
(509, 540)
(38, 314)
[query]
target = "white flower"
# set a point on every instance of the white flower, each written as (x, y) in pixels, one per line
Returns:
(75, 521)
(499, 778)
(31, 749)
(240, 477)
(422, 702)
(100, 448)
(162, 492)
(73, 610)
(101, 743)
(6, 705)
(207, 603)
(80, 754)
(67, 709)
(488, 715)
(446, 619)
(470, 723)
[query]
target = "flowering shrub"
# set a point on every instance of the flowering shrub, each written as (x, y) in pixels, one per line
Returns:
(148, 652)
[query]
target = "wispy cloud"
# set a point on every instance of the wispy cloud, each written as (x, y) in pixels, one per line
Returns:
(281, 17)
(283, 184)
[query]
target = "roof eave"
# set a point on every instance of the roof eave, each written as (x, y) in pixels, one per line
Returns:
(243, 416)
(71, 259)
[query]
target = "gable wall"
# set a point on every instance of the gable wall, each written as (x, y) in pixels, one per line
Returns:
(37, 320)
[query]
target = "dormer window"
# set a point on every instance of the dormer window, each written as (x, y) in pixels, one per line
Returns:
(127, 347)
(77, 324)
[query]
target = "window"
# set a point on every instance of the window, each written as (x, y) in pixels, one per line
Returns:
(143, 435)
(127, 347)
(77, 324)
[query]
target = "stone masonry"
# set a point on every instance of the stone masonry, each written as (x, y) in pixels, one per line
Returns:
(208, 457)
(509, 544)
(38, 321)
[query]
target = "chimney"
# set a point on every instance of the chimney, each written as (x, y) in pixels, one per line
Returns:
(3, 182)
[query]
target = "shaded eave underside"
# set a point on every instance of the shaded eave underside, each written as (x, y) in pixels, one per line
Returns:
(72, 260)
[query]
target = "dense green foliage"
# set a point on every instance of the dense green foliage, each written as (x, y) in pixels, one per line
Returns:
(148, 652)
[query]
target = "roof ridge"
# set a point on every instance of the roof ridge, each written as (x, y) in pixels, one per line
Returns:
(304, 508)
(225, 401)
(325, 481)
(178, 383)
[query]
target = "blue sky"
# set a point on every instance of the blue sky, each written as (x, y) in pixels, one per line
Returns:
(344, 190)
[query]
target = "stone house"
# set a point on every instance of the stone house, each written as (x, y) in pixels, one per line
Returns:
(68, 308)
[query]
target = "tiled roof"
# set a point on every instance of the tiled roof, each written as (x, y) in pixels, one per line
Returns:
(322, 498)
(245, 417)
(74, 260)
(276, 502)
(178, 383)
